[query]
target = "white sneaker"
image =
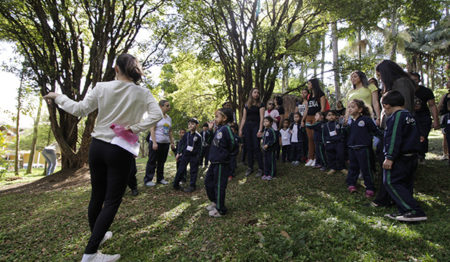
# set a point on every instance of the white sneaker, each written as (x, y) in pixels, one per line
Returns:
(107, 236)
(99, 257)
(150, 183)
(164, 182)
(214, 213)
(309, 162)
(211, 206)
(313, 163)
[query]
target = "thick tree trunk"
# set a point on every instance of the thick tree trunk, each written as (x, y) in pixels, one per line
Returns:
(334, 41)
(35, 133)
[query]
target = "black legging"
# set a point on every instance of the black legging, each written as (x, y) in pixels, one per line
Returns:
(110, 167)
(252, 144)
(156, 161)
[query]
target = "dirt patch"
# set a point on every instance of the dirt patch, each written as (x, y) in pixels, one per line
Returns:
(58, 181)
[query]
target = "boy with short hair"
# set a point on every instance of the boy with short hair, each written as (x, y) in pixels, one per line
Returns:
(401, 145)
(189, 153)
(206, 142)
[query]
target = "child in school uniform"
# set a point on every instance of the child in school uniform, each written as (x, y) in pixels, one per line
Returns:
(446, 125)
(401, 146)
(319, 143)
(189, 153)
(360, 132)
(296, 139)
(222, 146)
(333, 134)
(285, 141)
(181, 133)
(269, 143)
(206, 141)
(233, 156)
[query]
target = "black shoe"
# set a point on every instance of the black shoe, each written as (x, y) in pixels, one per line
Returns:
(134, 192)
(177, 188)
(393, 216)
(248, 172)
(258, 173)
(410, 217)
(189, 189)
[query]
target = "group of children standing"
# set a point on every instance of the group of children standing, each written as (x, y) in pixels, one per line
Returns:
(337, 141)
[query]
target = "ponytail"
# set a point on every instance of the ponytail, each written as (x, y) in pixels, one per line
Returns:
(130, 67)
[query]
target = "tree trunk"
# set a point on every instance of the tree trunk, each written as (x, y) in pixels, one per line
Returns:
(334, 42)
(359, 47)
(35, 133)
(394, 33)
(322, 67)
(19, 108)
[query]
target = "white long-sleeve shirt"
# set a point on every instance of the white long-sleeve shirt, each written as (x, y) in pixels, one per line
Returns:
(118, 102)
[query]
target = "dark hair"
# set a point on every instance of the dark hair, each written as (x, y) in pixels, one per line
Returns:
(299, 116)
(269, 118)
(162, 102)
(362, 78)
(279, 100)
(333, 112)
(375, 81)
(228, 113)
(182, 129)
(205, 125)
(287, 120)
(130, 67)
(393, 98)
(360, 104)
(415, 74)
(390, 72)
(316, 87)
(323, 114)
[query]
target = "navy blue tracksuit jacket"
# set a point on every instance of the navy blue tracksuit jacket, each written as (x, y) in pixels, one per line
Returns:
(190, 149)
(359, 142)
(333, 135)
(223, 146)
(401, 145)
(269, 139)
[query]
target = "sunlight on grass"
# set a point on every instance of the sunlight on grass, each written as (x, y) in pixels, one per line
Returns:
(180, 238)
(165, 218)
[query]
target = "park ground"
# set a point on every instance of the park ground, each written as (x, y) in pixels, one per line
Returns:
(302, 215)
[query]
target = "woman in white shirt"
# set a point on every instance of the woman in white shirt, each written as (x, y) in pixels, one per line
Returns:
(120, 102)
(160, 140)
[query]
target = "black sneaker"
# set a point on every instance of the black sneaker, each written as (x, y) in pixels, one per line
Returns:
(177, 188)
(134, 192)
(410, 217)
(248, 172)
(393, 215)
(189, 189)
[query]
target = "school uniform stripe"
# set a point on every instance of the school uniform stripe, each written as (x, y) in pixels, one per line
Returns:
(218, 187)
(394, 132)
(388, 180)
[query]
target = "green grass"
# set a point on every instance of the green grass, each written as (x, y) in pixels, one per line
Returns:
(9, 178)
(303, 215)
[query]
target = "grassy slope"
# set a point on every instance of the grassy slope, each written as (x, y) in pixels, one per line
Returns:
(302, 215)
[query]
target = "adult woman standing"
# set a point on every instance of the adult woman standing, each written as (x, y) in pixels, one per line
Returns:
(366, 92)
(251, 127)
(160, 140)
(394, 78)
(442, 108)
(121, 102)
(316, 103)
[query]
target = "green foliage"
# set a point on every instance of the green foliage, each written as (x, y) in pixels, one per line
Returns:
(194, 88)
